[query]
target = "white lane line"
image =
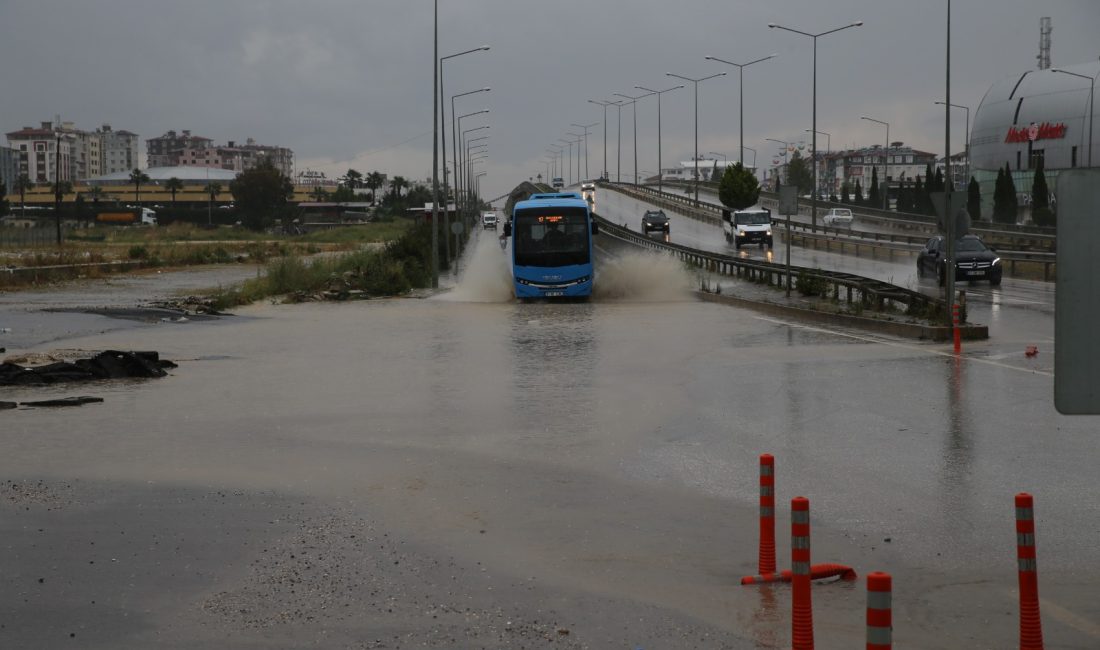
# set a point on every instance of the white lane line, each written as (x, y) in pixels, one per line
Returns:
(905, 346)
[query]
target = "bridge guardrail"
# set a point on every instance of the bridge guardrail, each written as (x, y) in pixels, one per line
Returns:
(867, 293)
(1020, 263)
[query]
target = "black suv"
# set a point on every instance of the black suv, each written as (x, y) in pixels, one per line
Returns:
(654, 221)
(973, 260)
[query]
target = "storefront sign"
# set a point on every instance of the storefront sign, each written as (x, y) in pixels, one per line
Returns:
(1032, 132)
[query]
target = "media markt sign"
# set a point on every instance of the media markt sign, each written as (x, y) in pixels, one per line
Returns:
(1033, 132)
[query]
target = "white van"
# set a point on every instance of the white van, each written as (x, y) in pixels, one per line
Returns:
(748, 226)
(489, 220)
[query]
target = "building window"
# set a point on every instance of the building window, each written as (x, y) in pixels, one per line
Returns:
(1073, 157)
(1038, 157)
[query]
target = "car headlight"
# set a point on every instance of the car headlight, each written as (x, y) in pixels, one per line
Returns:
(740, 233)
(996, 261)
(769, 232)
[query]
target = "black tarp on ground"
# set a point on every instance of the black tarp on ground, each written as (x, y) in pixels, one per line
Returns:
(109, 364)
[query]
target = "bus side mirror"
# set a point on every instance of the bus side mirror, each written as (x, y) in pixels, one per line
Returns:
(595, 228)
(508, 230)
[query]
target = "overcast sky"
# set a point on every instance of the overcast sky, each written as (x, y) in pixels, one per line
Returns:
(348, 83)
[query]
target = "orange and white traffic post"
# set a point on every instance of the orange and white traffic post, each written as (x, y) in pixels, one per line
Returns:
(957, 333)
(767, 514)
(802, 617)
(880, 623)
(1031, 625)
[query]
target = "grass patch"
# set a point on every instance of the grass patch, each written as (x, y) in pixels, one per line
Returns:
(395, 270)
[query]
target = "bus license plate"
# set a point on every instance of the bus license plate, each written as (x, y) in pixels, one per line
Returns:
(553, 293)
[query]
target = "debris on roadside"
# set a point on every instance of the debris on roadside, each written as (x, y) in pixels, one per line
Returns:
(65, 401)
(110, 364)
(190, 305)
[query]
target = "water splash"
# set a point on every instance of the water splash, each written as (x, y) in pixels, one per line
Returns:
(642, 277)
(486, 277)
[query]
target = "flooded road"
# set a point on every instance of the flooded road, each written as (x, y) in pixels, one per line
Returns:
(467, 471)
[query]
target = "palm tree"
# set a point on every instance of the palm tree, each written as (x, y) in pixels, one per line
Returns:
(137, 177)
(396, 184)
(22, 184)
(374, 181)
(319, 194)
(352, 180)
(173, 185)
(211, 190)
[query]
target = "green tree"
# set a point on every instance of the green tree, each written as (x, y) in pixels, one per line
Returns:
(939, 184)
(1011, 197)
(212, 190)
(798, 173)
(858, 197)
(22, 184)
(902, 204)
(1004, 197)
(845, 195)
(137, 177)
(173, 185)
(874, 199)
(319, 194)
(397, 183)
(261, 195)
(1041, 213)
(343, 194)
(352, 179)
(3, 198)
(974, 199)
(929, 187)
(65, 187)
(738, 188)
(374, 181)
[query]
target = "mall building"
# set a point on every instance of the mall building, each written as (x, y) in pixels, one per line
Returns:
(1039, 115)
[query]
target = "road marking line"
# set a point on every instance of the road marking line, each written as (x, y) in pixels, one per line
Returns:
(1067, 617)
(906, 346)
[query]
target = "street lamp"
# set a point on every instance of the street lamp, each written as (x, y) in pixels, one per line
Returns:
(606, 174)
(828, 150)
(741, 83)
(585, 127)
(967, 135)
(579, 139)
(1092, 95)
(785, 146)
(813, 198)
(753, 158)
(442, 124)
(454, 147)
(634, 112)
(557, 161)
(458, 129)
(695, 162)
(660, 171)
(885, 158)
(618, 141)
(464, 163)
(569, 161)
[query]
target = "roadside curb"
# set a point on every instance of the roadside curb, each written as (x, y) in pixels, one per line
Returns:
(937, 333)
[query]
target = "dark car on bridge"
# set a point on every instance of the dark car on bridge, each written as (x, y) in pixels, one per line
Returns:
(654, 221)
(973, 260)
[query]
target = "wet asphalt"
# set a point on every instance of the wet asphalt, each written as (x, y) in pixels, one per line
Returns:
(481, 473)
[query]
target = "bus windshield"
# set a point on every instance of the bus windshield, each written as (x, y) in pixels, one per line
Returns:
(551, 236)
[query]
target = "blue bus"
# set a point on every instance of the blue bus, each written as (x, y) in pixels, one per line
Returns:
(552, 246)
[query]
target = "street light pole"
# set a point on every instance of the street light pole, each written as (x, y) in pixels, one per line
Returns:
(1092, 95)
(967, 134)
(634, 111)
(585, 127)
(886, 157)
(462, 142)
(785, 146)
(695, 163)
(606, 174)
(579, 139)
(436, 98)
(660, 170)
(828, 150)
(813, 196)
(741, 83)
(454, 146)
(443, 129)
(753, 158)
